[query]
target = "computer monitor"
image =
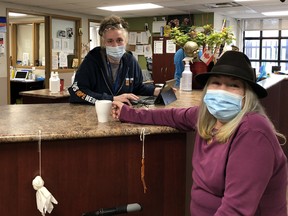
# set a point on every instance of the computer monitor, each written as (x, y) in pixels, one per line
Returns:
(276, 68)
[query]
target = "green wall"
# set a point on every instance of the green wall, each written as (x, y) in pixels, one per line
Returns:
(203, 19)
(138, 24)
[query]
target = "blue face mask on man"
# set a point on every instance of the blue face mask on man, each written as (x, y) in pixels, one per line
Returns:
(223, 105)
(116, 52)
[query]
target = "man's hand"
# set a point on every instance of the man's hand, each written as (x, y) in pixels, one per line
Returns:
(156, 91)
(126, 98)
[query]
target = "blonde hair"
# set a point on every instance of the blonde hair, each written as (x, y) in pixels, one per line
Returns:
(206, 121)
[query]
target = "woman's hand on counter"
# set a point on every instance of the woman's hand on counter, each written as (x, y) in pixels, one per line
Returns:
(116, 109)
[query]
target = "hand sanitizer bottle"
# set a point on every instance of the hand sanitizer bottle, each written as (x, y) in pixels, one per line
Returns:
(54, 82)
(186, 80)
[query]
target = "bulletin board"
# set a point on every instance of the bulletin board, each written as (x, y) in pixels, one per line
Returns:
(139, 43)
(63, 42)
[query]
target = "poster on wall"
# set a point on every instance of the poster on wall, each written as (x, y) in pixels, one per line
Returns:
(63, 61)
(139, 50)
(56, 44)
(3, 24)
(2, 44)
(55, 61)
(145, 37)
(61, 34)
(132, 38)
(69, 32)
(147, 51)
(170, 46)
(3, 61)
(158, 47)
(65, 45)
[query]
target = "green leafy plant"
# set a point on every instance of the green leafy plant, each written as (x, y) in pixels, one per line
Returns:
(205, 36)
(179, 37)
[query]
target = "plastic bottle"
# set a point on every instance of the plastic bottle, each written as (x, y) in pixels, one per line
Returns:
(54, 82)
(186, 80)
(58, 81)
(12, 72)
(73, 77)
(50, 80)
(33, 73)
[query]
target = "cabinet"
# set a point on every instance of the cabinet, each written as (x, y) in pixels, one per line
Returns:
(17, 86)
(163, 62)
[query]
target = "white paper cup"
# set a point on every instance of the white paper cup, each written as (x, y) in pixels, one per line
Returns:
(103, 110)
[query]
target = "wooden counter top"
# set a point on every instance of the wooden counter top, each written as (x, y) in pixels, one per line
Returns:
(21, 123)
(45, 93)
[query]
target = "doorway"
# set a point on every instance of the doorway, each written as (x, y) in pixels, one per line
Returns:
(94, 37)
(26, 33)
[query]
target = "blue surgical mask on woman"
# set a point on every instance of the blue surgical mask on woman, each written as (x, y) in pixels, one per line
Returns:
(115, 52)
(223, 105)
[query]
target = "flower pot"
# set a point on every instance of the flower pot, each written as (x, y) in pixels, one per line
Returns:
(199, 68)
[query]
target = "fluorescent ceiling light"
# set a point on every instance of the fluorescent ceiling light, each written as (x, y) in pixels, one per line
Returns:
(11, 14)
(246, 0)
(131, 7)
(276, 13)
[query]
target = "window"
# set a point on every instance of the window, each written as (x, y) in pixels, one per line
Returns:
(27, 41)
(266, 43)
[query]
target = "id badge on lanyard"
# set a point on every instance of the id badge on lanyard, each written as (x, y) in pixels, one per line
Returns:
(129, 81)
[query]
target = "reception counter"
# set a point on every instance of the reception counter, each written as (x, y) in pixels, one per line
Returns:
(88, 165)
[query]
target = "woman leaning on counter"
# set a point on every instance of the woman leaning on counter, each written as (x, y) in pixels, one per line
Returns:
(239, 167)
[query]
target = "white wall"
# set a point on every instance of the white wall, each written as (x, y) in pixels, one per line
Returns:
(218, 21)
(4, 72)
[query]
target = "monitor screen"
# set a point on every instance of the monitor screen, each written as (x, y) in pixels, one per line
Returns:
(276, 68)
(21, 74)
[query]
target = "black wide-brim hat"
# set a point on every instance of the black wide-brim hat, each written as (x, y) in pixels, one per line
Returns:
(236, 64)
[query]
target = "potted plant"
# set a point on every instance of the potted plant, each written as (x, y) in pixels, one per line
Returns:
(210, 43)
(205, 36)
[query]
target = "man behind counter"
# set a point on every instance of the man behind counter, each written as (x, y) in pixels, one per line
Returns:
(109, 72)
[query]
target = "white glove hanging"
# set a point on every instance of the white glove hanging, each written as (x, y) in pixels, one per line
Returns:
(44, 198)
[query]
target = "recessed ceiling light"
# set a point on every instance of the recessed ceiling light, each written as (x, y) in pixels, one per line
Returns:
(275, 13)
(131, 7)
(12, 14)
